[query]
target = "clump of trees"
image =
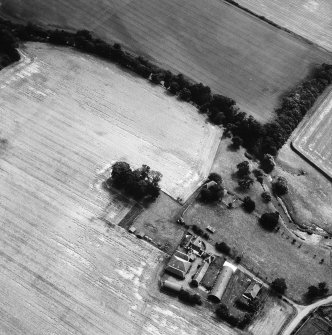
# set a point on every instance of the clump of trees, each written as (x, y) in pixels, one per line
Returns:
(222, 313)
(244, 174)
(279, 286)
(213, 192)
(315, 292)
(280, 186)
(190, 298)
(249, 204)
(141, 184)
(269, 221)
(267, 163)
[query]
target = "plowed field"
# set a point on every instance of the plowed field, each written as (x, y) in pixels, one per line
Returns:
(62, 269)
(210, 41)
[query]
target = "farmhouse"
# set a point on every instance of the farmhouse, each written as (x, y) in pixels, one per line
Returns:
(197, 246)
(252, 291)
(222, 282)
(177, 266)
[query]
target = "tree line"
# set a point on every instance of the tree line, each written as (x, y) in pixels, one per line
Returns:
(259, 139)
(8, 45)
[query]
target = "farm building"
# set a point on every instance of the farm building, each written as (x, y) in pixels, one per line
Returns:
(178, 266)
(222, 281)
(197, 246)
(200, 274)
(252, 291)
(170, 285)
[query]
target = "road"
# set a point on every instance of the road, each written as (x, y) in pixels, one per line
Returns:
(303, 311)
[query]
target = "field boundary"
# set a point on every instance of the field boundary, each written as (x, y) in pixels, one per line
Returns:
(272, 23)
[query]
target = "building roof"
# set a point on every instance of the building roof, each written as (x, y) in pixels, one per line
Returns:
(210, 183)
(252, 290)
(181, 255)
(178, 266)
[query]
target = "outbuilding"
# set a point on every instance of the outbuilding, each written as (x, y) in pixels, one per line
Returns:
(200, 274)
(171, 285)
(222, 281)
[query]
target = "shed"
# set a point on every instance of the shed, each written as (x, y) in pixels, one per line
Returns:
(171, 285)
(210, 183)
(182, 255)
(200, 274)
(222, 281)
(139, 234)
(132, 229)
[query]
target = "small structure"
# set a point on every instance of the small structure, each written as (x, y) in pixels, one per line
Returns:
(210, 183)
(177, 266)
(252, 291)
(139, 234)
(200, 274)
(221, 283)
(132, 229)
(210, 229)
(170, 285)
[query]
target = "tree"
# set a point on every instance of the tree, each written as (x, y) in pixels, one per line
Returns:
(269, 220)
(268, 163)
(249, 205)
(266, 196)
(174, 87)
(259, 175)
(212, 194)
(237, 142)
(279, 285)
(245, 183)
(215, 177)
(243, 169)
(223, 248)
(222, 312)
(185, 94)
(121, 172)
(280, 186)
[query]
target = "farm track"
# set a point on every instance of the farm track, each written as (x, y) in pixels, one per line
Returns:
(218, 44)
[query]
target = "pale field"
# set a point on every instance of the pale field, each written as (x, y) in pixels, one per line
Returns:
(85, 114)
(314, 139)
(272, 318)
(210, 41)
(63, 270)
(308, 18)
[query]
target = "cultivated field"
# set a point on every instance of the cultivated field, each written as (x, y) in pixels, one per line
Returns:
(210, 41)
(314, 139)
(63, 270)
(96, 114)
(308, 18)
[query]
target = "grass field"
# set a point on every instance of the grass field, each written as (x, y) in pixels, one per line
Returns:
(272, 317)
(314, 139)
(308, 18)
(212, 42)
(267, 255)
(63, 269)
(98, 114)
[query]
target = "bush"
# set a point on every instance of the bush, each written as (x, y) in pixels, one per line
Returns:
(266, 196)
(190, 298)
(280, 186)
(269, 220)
(268, 163)
(249, 205)
(245, 183)
(223, 248)
(279, 285)
(243, 169)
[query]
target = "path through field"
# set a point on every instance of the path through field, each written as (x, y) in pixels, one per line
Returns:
(210, 41)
